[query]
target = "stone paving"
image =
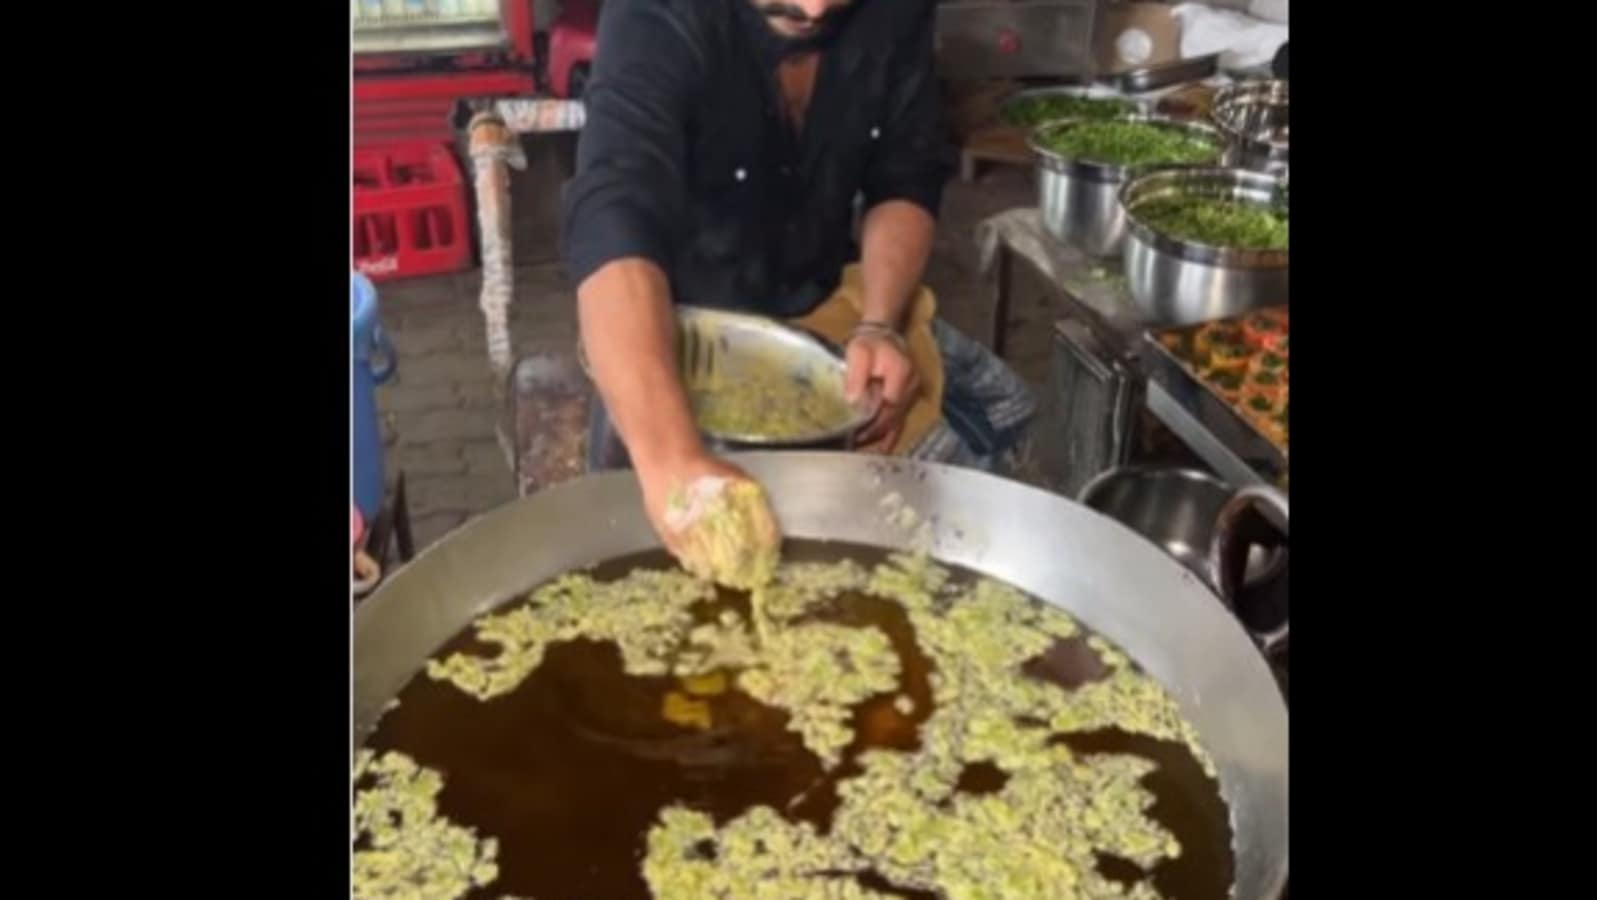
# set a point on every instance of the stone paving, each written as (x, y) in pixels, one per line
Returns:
(439, 411)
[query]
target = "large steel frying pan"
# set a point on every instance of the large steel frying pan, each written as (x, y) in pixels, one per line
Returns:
(1103, 573)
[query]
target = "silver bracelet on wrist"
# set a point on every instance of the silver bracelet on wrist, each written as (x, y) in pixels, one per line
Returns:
(881, 330)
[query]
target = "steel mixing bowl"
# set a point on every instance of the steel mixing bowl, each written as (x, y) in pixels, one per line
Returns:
(1079, 200)
(1178, 282)
(718, 345)
(1254, 116)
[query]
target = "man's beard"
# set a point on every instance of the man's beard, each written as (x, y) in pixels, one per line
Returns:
(828, 24)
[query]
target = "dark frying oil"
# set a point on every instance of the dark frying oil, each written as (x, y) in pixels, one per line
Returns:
(570, 770)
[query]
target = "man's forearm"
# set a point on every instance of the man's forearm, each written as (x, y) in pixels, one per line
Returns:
(896, 240)
(629, 335)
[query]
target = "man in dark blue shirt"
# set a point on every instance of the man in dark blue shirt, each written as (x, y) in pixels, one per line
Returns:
(725, 145)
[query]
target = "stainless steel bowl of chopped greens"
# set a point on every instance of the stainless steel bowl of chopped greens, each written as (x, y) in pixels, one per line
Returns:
(1254, 116)
(1205, 243)
(1030, 108)
(1082, 164)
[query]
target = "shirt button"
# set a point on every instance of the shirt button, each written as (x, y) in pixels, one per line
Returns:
(875, 133)
(740, 174)
(787, 171)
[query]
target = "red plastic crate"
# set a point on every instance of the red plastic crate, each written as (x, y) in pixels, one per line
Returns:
(410, 211)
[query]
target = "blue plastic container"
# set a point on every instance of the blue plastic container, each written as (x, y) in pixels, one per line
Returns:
(374, 361)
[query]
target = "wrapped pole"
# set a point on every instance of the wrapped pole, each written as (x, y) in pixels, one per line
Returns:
(495, 149)
(545, 436)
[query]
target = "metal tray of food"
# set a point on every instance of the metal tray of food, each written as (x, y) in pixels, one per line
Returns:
(1152, 78)
(1211, 417)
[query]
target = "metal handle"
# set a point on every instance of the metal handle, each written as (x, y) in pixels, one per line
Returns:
(1230, 561)
(385, 348)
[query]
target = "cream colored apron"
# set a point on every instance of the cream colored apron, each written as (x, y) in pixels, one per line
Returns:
(836, 317)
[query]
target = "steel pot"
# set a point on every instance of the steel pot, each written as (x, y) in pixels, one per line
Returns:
(1177, 282)
(1059, 551)
(1198, 520)
(1254, 118)
(1079, 200)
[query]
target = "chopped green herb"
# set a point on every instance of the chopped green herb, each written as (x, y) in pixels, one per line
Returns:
(1216, 222)
(1130, 144)
(1028, 112)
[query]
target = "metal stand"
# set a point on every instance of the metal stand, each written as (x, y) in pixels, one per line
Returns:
(1088, 414)
(549, 402)
(391, 526)
(1003, 277)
